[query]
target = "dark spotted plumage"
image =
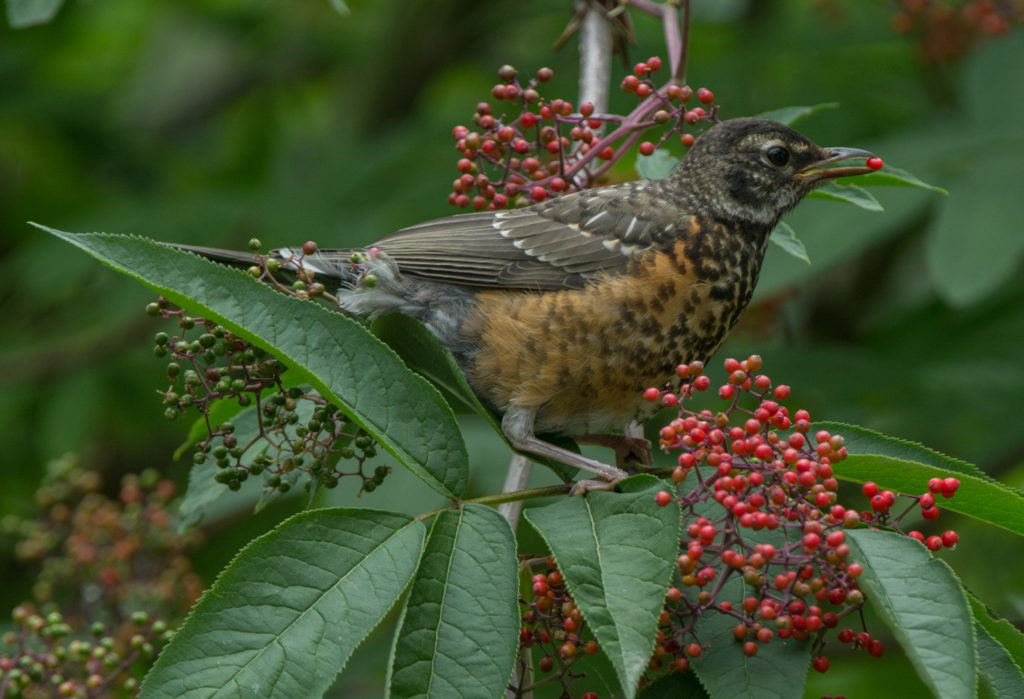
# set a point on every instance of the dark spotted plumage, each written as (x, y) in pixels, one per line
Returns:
(563, 312)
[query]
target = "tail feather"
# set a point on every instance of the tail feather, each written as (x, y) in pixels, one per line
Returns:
(330, 264)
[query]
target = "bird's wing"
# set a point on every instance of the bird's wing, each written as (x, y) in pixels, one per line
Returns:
(555, 245)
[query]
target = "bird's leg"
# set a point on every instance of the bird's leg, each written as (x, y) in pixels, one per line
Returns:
(628, 450)
(518, 428)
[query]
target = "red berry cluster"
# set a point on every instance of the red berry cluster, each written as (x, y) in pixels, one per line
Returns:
(882, 503)
(947, 30)
(546, 147)
(552, 623)
(300, 433)
(750, 467)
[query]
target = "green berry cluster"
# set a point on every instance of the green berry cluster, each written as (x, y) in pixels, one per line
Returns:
(287, 434)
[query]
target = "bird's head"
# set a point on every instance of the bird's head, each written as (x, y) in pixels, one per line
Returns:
(756, 170)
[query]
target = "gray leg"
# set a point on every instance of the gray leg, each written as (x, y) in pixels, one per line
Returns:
(518, 427)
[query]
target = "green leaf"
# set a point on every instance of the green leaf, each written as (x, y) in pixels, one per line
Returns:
(283, 618)
(340, 7)
(791, 115)
(999, 674)
(921, 601)
(1002, 631)
(903, 466)
(656, 166)
(335, 354)
(785, 237)
(849, 193)
(617, 552)
(890, 176)
(26, 13)
(459, 632)
(423, 353)
(976, 245)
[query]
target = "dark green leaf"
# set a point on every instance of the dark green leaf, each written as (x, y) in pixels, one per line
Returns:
(890, 176)
(849, 193)
(921, 601)
(616, 552)
(335, 354)
(656, 166)
(1008, 636)
(785, 237)
(976, 244)
(791, 115)
(26, 13)
(285, 615)
(906, 467)
(999, 674)
(459, 631)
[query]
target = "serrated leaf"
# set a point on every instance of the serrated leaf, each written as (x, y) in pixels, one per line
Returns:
(284, 616)
(975, 245)
(890, 176)
(785, 237)
(459, 631)
(791, 115)
(27, 13)
(335, 354)
(616, 552)
(656, 166)
(903, 466)
(921, 601)
(1002, 631)
(848, 193)
(999, 674)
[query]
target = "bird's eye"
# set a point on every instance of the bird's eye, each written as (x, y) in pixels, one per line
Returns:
(777, 156)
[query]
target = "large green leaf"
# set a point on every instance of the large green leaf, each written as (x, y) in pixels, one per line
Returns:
(784, 236)
(791, 115)
(284, 617)
(335, 354)
(906, 467)
(921, 601)
(976, 243)
(26, 13)
(999, 675)
(616, 552)
(848, 193)
(1008, 636)
(460, 628)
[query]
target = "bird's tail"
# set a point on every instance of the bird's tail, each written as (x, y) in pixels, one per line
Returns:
(334, 265)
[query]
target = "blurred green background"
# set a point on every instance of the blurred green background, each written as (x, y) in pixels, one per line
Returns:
(213, 121)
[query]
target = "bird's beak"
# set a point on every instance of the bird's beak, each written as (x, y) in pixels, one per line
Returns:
(820, 170)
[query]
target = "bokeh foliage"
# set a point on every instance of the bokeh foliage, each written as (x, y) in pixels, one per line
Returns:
(214, 121)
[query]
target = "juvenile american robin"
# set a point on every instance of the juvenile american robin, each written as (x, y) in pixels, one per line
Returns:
(562, 313)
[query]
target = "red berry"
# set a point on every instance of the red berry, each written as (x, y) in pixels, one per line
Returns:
(705, 96)
(687, 139)
(750, 648)
(546, 664)
(654, 63)
(545, 74)
(870, 489)
(538, 193)
(949, 538)
(931, 514)
(652, 394)
(821, 663)
(629, 83)
(640, 70)
(646, 148)
(643, 90)
(875, 648)
(663, 498)
(949, 486)
(606, 153)
(309, 247)
(934, 543)
(528, 119)
(916, 535)
(874, 163)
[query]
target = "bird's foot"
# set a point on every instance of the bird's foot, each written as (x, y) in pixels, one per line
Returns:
(629, 451)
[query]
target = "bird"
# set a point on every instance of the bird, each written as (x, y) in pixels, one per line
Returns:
(561, 313)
